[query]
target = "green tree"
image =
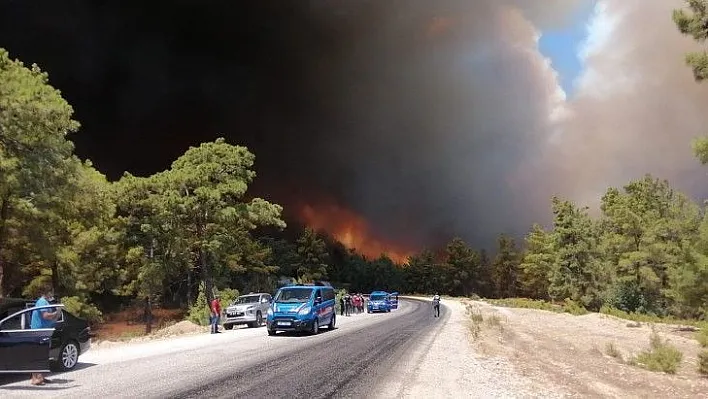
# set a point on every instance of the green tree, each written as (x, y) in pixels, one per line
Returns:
(199, 203)
(646, 229)
(34, 150)
(576, 271)
(463, 264)
(537, 263)
(693, 21)
(313, 257)
(505, 268)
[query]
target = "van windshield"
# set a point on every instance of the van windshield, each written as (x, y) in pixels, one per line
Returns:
(246, 299)
(378, 298)
(293, 295)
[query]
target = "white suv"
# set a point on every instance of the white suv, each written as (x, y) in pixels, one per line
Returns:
(247, 309)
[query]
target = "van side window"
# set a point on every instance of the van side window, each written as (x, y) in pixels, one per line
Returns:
(329, 293)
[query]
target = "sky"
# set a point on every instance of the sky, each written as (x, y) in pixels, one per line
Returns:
(417, 120)
(564, 44)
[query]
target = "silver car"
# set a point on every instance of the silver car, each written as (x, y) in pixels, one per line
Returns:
(247, 309)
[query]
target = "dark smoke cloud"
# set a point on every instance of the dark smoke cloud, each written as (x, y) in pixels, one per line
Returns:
(429, 118)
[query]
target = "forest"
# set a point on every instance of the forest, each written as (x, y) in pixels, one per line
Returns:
(194, 228)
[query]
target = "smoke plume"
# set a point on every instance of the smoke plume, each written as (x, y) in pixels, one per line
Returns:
(420, 119)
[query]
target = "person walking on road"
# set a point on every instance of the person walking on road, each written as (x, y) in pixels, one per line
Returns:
(341, 305)
(436, 305)
(215, 314)
(43, 318)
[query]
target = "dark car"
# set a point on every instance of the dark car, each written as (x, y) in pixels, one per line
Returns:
(23, 349)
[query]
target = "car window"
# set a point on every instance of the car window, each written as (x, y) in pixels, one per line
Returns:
(20, 321)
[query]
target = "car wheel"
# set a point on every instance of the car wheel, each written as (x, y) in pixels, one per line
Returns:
(315, 327)
(228, 326)
(259, 319)
(68, 356)
(332, 321)
(271, 332)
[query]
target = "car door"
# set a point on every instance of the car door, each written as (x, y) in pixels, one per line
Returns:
(23, 350)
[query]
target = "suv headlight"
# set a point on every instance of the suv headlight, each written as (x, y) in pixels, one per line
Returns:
(305, 310)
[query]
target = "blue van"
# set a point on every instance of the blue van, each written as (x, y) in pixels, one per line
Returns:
(379, 301)
(302, 308)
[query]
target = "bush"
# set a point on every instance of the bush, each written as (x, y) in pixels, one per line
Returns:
(703, 362)
(573, 307)
(702, 337)
(199, 312)
(227, 297)
(661, 356)
(83, 309)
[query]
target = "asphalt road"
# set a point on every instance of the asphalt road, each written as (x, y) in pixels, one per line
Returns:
(351, 361)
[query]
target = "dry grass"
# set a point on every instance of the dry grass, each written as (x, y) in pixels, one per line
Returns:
(611, 350)
(703, 362)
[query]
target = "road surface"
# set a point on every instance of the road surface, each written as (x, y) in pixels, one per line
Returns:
(354, 360)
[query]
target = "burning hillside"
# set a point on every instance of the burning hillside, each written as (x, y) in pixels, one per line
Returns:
(352, 231)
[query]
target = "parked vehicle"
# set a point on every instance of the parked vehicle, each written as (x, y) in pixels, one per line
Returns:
(247, 309)
(23, 349)
(393, 299)
(302, 308)
(379, 302)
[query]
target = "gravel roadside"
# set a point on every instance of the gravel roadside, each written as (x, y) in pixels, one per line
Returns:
(445, 365)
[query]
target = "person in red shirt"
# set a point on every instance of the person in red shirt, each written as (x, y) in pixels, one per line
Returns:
(215, 314)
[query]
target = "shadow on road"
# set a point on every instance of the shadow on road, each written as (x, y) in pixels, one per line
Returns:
(300, 333)
(53, 383)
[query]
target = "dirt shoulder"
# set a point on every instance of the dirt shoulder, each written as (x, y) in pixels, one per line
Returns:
(573, 353)
(445, 365)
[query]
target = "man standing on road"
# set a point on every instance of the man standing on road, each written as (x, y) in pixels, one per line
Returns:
(341, 305)
(215, 314)
(43, 318)
(436, 305)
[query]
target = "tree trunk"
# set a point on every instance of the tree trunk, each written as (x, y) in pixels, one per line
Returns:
(189, 288)
(4, 215)
(55, 279)
(206, 275)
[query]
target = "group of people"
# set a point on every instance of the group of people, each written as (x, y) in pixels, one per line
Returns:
(354, 303)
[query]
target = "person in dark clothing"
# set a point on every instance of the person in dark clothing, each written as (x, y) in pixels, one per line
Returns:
(436, 305)
(347, 305)
(341, 305)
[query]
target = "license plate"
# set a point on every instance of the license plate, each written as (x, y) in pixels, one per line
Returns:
(283, 323)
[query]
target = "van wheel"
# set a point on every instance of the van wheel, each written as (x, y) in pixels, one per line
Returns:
(228, 326)
(271, 332)
(330, 326)
(315, 327)
(259, 319)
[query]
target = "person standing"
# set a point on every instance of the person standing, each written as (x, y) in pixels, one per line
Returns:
(347, 304)
(341, 305)
(43, 318)
(436, 305)
(215, 314)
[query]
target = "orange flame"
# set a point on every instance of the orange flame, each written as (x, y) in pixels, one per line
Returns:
(352, 231)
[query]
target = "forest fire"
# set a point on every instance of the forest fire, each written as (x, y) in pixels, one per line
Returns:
(352, 231)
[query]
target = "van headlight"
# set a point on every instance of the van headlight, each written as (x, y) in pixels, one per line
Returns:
(269, 312)
(304, 311)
